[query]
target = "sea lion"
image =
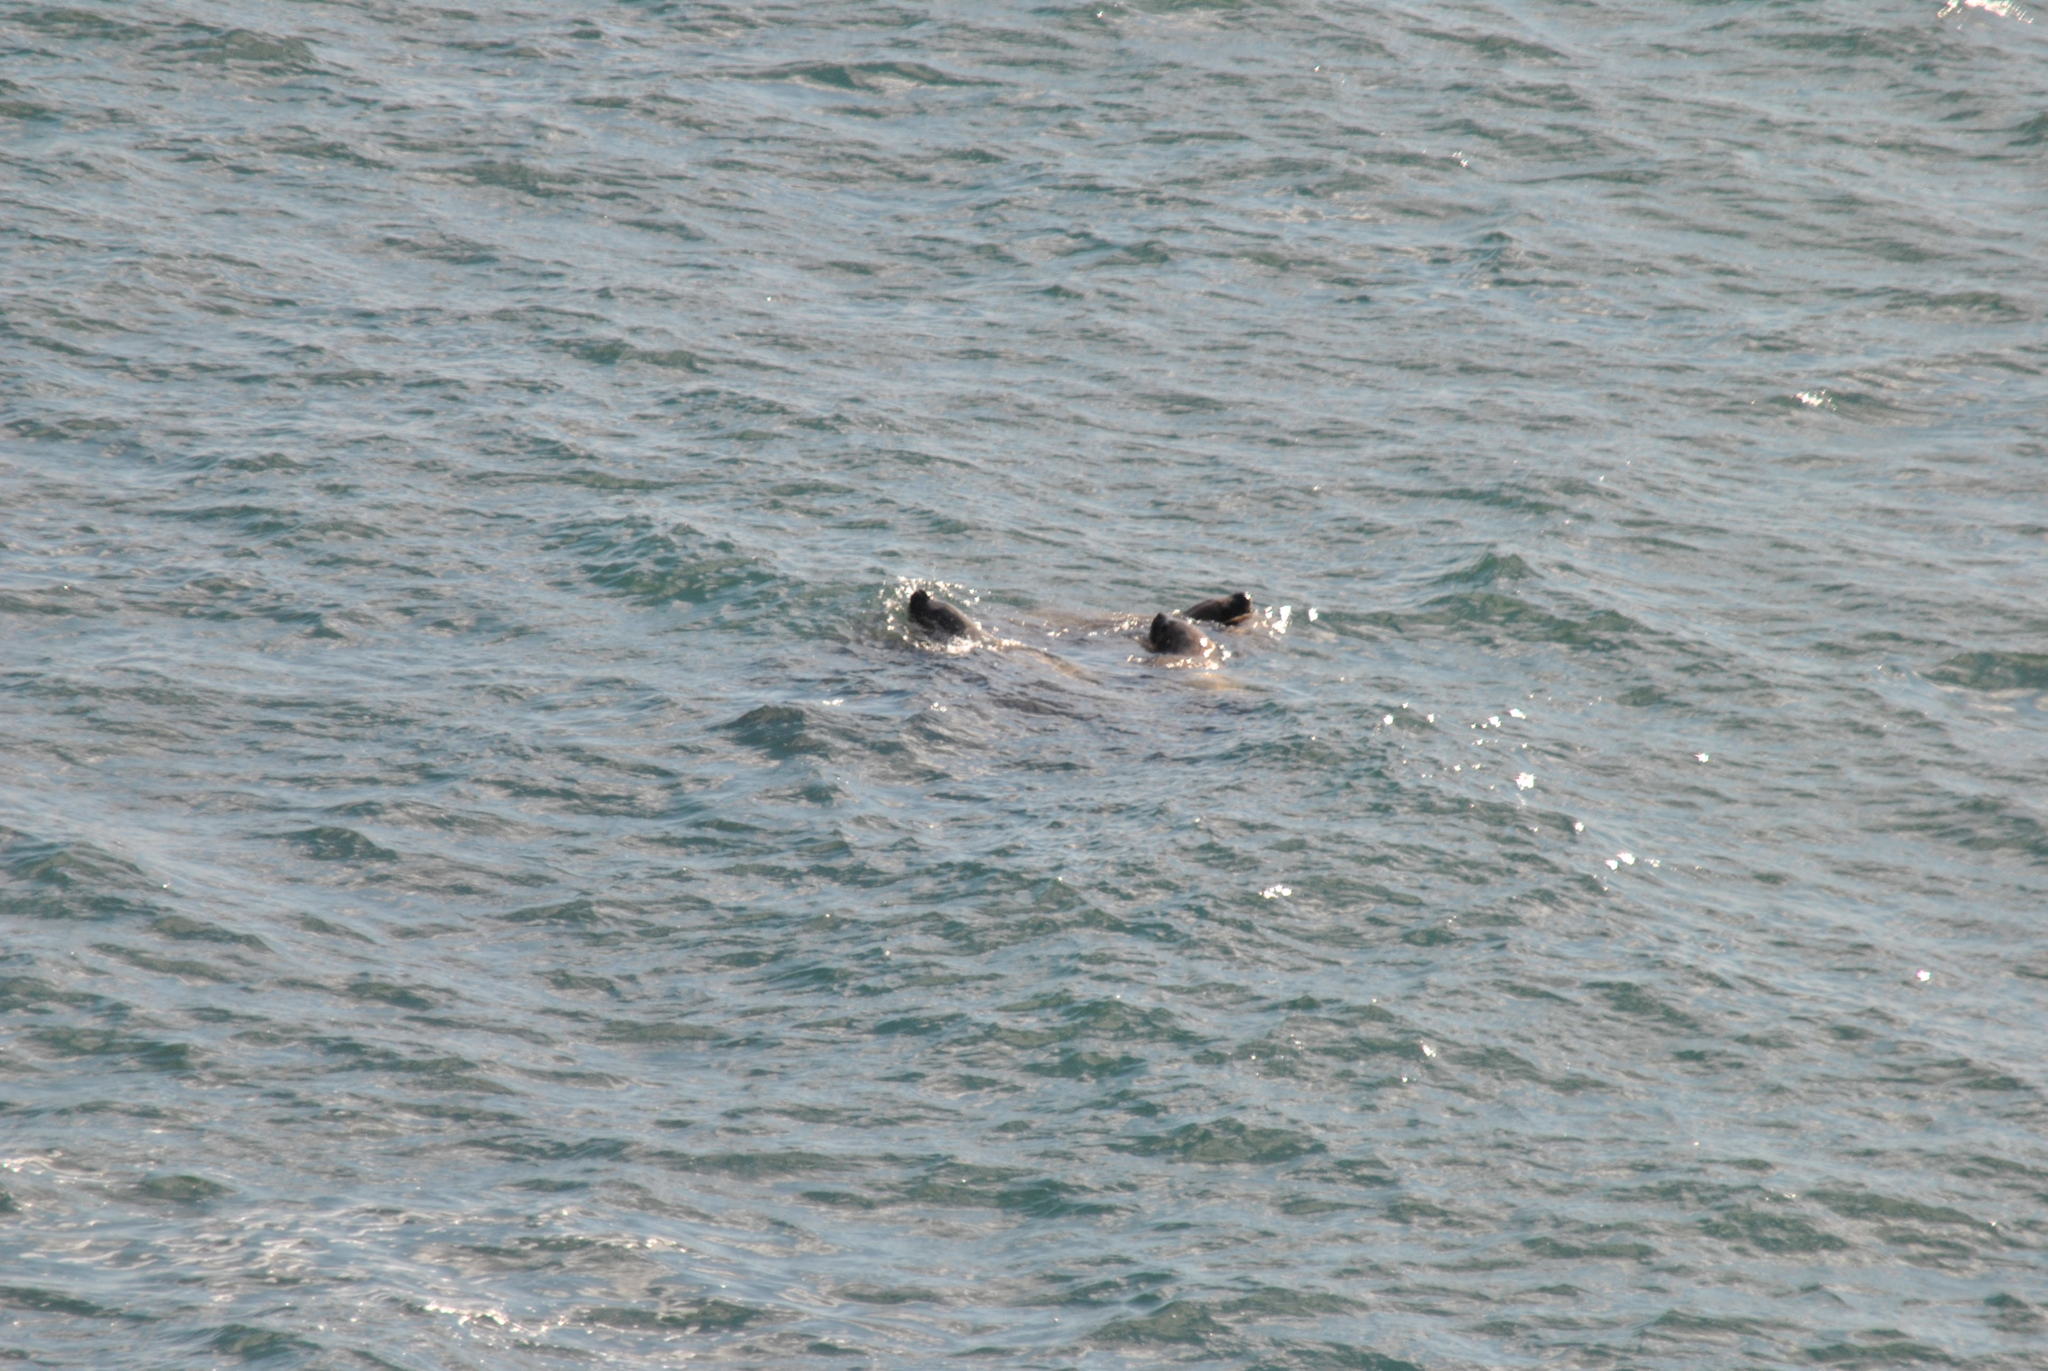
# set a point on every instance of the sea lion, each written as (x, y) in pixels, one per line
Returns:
(1172, 636)
(1224, 609)
(938, 618)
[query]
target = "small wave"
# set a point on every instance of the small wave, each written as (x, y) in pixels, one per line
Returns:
(1994, 671)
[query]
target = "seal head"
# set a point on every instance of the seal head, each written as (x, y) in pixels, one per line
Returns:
(1172, 636)
(938, 618)
(1224, 609)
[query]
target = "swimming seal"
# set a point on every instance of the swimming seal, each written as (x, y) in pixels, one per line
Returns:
(1224, 609)
(1172, 636)
(938, 618)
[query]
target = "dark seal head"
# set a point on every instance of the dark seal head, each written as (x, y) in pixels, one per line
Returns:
(1224, 609)
(938, 618)
(1172, 636)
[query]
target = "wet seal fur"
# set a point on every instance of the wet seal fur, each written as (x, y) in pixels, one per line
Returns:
(1173, 636)
(938, 618)
(1224, 609)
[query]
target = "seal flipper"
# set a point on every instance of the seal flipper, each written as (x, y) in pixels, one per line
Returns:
(1176, 637)
(938, 618)
(1224, 609)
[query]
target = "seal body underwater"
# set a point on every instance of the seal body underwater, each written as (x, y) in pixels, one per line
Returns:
(938, 618)
(1172, 636)
(1224, 609)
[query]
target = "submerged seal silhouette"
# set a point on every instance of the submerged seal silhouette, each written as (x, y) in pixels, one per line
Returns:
(938, 618)
(1173, 636)
(1224, 609)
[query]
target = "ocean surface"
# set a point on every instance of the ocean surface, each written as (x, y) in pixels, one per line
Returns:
(493, 880)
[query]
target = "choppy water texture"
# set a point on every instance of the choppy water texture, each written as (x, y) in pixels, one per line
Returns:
(491, 881)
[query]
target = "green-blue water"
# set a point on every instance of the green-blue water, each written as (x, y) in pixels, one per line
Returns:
(491, 880)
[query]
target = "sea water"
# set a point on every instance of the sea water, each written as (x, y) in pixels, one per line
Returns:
(492, 879)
